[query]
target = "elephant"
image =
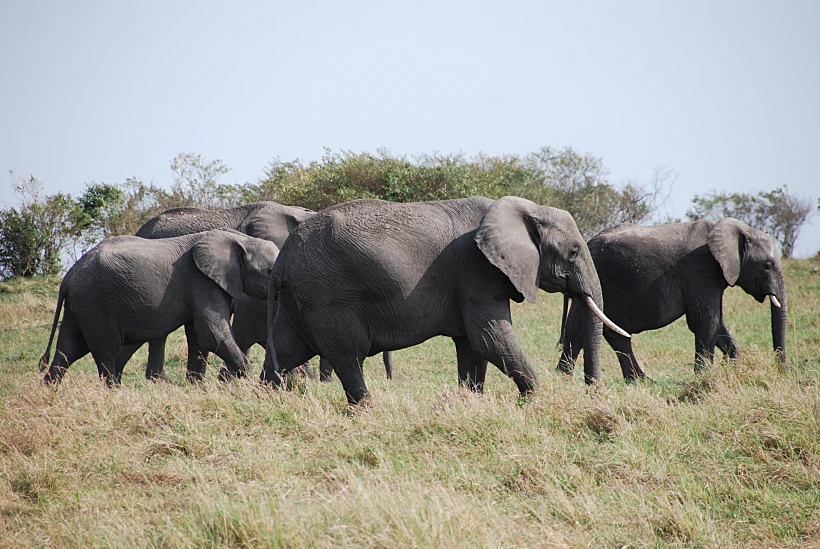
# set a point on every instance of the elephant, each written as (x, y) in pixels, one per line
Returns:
(396, 274)
(267, 220)
(651, 276)
(128, 290)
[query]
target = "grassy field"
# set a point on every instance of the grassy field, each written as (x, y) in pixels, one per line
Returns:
(729, 458)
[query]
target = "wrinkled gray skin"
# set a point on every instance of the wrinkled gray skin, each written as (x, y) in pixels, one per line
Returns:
(651, 276)
(267, 220)
(128, 290)
(394, 275)
(250, 326)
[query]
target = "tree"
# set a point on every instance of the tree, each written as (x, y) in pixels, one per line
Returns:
(580, 184)
(196, 182)
(777, 212)
(34, 236)
(98, 205)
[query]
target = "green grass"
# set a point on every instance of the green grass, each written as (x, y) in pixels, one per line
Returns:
(727, 458)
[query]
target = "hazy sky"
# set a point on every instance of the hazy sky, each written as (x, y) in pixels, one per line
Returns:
(725, 92)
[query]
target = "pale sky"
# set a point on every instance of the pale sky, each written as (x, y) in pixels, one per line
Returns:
(725, 92)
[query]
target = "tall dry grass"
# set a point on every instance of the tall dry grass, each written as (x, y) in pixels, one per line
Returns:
(729, 458)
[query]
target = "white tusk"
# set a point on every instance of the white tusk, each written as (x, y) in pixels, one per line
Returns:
(612, 326)
(775, 302)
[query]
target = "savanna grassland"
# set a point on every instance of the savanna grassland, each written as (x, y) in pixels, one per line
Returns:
(729, 458)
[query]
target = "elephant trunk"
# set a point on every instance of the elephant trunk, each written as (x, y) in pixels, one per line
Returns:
(270, 370)
(564, 313)
(593, 328)
(779, 319)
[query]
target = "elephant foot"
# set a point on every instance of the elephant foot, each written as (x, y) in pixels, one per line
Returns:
(270, 380)
(642, 377)
(565, 366)
(362, 403)
(110, 382)
(161, 377)
(473, 386)
(194, 377)
(54, 376)
(226, 375)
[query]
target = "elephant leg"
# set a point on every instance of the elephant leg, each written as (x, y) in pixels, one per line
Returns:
(387, 358)
(472, 368)
(626, 357)
(572, 340)
(345, 351)
(705, 327)
(155, 369)
(106, 357)
(124, 355)
(71, 346)
(105, 344)
(284, 351)
(349, 370)
(725, 342)
(491, 336)
(325, 369)
(197, 357)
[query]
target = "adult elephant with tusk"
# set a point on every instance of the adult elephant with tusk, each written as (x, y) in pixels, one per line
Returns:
(395, 275)
(651, 276)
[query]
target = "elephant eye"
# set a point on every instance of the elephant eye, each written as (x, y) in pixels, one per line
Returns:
(768, 265)
(573, 253)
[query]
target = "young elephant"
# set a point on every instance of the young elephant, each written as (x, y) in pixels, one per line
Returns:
(267, 220)
(128, 290)
(651, 276)
(394, 275)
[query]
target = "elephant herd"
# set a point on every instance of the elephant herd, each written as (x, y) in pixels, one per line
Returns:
(370, 276)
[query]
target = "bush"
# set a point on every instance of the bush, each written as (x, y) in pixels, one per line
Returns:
(43, 229)
(34, 236)
(562, 178)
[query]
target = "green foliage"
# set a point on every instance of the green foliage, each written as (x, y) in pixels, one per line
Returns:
(128, 206)
(562, 178)
(777, 212)
(33, 236)
(196, 182)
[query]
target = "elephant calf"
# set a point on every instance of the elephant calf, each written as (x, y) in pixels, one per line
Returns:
(267, 220)
(651, 276)
(128, 290)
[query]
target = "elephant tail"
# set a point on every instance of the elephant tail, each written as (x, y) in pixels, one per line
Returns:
(47, 355)
(387, 357)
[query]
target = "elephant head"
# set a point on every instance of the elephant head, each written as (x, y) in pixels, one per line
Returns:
(237, 262)
(541, 247)
(272, 221)
(747, 258)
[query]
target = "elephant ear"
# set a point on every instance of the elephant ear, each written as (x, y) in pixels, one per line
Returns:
(506, 240)
(218, 254)
(727, 242)
(275, 223)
